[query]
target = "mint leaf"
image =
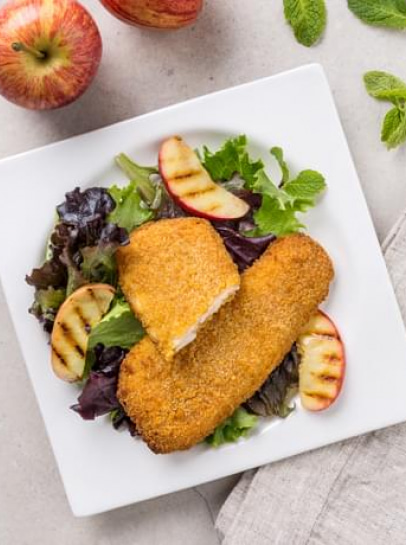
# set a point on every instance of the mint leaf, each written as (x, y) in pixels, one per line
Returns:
(232, 158)
(129, 211)
(385, 86)
(138, 175)
(278, 154)
(307, 18)
(386, 13)
(394, 128)
(270, 218)
(305, 188)
(236, 426)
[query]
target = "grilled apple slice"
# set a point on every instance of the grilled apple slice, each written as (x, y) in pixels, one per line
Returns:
(79, 313)
(191, 186)
(322, 364)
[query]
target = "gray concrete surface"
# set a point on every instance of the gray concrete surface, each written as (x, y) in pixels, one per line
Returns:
(234, 41)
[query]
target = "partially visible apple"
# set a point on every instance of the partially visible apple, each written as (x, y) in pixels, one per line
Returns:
(164, 14)
(79, 313)
(191, 186)
(49, 52)
(322, 363)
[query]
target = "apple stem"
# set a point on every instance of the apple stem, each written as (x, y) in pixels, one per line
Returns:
(20, 46)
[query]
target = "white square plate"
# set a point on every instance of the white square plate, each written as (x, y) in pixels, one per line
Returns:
(103, 469)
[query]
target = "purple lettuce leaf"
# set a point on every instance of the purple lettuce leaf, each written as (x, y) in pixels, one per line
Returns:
(82, 247)
(52, 274)
(273, 398)
(87, 211)
(243, 250)
(99, 394)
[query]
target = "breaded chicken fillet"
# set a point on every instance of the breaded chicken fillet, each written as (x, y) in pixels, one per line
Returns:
(175, 405)
(175, 275)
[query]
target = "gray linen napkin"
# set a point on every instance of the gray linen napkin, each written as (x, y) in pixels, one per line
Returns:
(353, 492)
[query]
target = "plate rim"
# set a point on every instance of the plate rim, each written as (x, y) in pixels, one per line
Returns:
(195, 100)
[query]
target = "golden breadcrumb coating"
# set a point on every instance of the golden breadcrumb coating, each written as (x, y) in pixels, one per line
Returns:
(175, 274)
(175, 405)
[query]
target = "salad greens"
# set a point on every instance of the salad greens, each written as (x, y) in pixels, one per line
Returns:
(237, 425)
(130, 211)
(92, 224)
(280, 203)
(99, 394)
(119, 327)
(46, 303)
(232, 158)
(273, 398)
(139, 176)
(385, 86)
(73, 261)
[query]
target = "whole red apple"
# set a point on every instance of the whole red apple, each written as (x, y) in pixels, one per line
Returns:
(49, 52)
(164, 14)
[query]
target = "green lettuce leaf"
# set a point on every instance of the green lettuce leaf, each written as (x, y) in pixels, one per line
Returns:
(304, 189)
(277, 213)
(130, 211)
(236, 426)
(46, 304)
(232, 158)
(140, 176)
(119, 327)
(99, 263)
(271, 218)
(265, 186)
(278, 154)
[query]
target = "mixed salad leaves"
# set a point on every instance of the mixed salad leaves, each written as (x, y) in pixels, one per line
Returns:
(91, 225)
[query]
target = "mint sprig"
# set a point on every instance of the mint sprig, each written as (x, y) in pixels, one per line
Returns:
(393, 131)
(385, 86)
(307, 18)
(384, 13)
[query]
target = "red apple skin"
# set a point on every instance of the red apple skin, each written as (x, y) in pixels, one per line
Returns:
(69, 35)
(323, 405)
(185, 206)
(163, 14)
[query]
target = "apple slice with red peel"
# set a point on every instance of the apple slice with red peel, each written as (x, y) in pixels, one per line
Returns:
(322, 363)
(191, 186)
(80, 312)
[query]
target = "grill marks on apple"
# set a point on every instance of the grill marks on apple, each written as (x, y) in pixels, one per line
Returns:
(74, 321)
(322, 366)
(191, 186)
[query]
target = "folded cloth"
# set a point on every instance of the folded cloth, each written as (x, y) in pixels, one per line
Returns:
(353, 492)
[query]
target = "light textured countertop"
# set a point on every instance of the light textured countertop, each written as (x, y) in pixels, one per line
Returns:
(235, 41)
